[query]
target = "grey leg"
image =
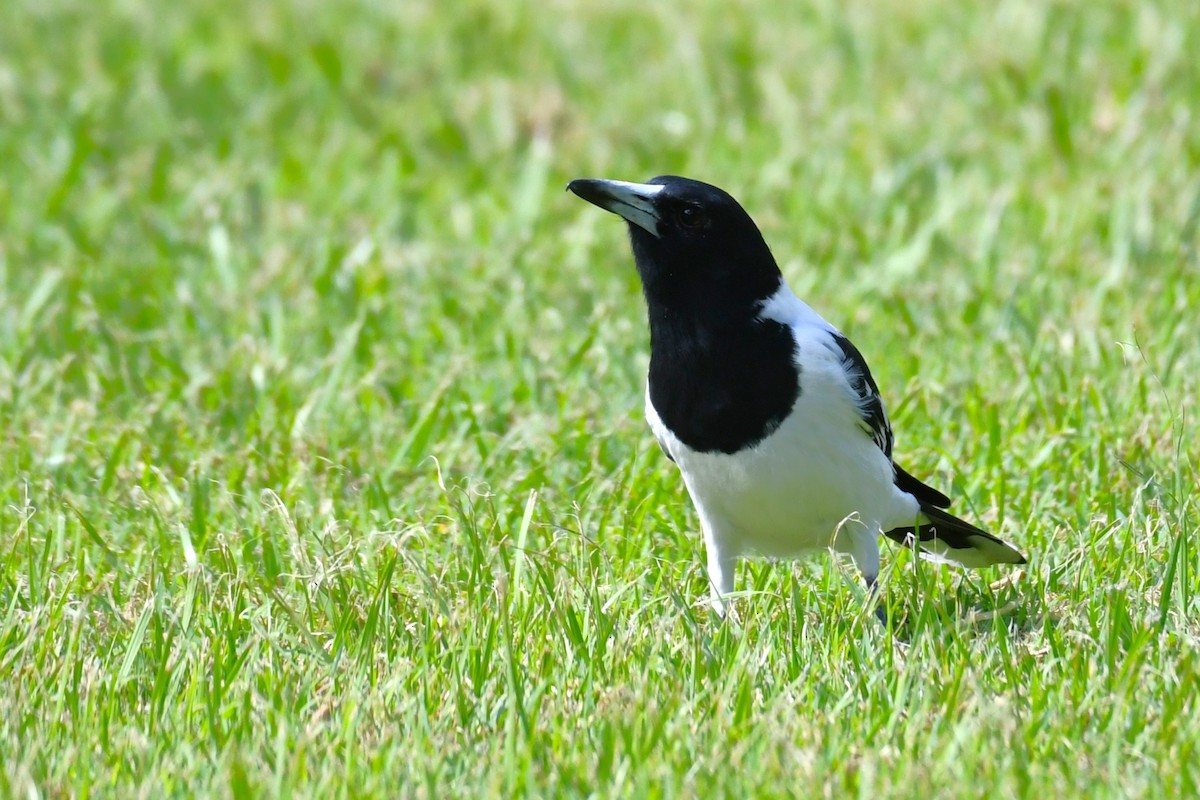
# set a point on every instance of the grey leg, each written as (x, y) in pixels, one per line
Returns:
(861, 543)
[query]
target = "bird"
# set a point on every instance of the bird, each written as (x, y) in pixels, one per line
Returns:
(770, 413)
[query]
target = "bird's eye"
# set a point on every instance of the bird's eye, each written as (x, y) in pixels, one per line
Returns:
(692, 217)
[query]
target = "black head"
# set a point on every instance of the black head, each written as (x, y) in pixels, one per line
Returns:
(721, 377)
(692, 242)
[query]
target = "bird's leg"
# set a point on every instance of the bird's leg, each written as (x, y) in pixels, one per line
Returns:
(861, 543)
(721, 564)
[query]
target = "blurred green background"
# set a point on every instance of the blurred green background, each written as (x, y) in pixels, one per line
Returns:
(322, 464)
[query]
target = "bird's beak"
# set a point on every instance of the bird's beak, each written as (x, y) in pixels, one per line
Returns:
(633, 201)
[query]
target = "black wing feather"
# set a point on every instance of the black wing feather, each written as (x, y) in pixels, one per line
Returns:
(876, 423)
(874, 418)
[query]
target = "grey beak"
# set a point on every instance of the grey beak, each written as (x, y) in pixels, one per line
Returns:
(633, 201)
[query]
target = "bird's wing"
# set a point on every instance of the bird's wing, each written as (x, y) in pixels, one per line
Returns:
(875, 422)
(656, 425)
(870, 404)
(662, 445)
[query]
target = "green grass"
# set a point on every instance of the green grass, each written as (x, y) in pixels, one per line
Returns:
(322, 470)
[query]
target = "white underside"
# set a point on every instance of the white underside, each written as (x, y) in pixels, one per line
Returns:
(818, 481)
(819, 473)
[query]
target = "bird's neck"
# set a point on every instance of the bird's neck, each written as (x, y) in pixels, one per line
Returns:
(703, 313)
(699, 328)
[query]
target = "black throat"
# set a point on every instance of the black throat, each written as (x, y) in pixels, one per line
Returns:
(721, 378)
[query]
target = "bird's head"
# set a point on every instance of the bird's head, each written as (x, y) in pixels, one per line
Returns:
(692, 242)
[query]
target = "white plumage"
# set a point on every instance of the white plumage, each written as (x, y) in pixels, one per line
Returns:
(789, 495)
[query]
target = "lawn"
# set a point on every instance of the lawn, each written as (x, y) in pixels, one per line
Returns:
(322, 466)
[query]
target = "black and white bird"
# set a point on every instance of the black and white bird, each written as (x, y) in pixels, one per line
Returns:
(770, 413)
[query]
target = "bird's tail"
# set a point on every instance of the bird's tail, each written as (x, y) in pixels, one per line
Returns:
(946, 538)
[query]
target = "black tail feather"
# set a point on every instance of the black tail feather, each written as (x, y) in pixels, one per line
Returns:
(926, 495)
(948, 538)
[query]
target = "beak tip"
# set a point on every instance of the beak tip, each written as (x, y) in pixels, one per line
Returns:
(633, 201)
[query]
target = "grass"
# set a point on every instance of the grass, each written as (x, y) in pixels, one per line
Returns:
(321, 459)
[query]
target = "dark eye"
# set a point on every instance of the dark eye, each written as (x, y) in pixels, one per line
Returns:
(692, 217)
